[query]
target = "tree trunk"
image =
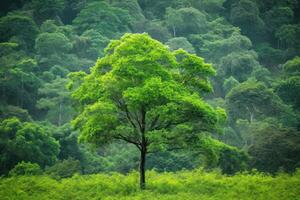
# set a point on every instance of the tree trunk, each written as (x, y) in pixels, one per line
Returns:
(174, 31)
(142, 169)
(60, 113)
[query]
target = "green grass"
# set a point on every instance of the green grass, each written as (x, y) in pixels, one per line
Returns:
(183, 185)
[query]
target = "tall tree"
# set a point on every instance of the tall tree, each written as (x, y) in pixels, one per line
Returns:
(252, 100)
(55, 99)
(173, 19)
(143, 94)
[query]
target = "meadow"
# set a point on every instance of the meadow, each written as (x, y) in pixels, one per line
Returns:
(183, 185)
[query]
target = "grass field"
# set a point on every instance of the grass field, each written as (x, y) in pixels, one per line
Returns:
(183, 185)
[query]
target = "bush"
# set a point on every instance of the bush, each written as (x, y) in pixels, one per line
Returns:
(25, 168)
(64, 169)
(191, 185)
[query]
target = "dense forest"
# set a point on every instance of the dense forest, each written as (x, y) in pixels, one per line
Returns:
(165, 87)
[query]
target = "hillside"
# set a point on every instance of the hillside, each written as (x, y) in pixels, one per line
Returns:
(90, 88)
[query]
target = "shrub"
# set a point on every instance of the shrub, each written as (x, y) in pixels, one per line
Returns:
(64, 169)
(25, 168)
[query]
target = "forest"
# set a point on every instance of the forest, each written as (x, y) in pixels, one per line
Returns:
(149, 99)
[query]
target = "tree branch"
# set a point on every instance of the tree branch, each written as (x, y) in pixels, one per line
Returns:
(154, 122)
(121, 137)
(128, 117)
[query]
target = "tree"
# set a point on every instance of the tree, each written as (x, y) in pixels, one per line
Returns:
(212, 6)
(47, 9)
(214, 45)
(107, 20)
(132, 6)
(157, 30)
(245, 14)
(238, 64)
(229, 83)
(54, 49)
(67, 139)
(274, 148)
(180, 42)
(287, 36)
(25, 141)
(64, 169)
(278, 16)
(173, 19)
(90, 44)
(18, 83)
(193, 21)
(55, 99)
(52, 43)
(288, 87)
(292, 66)
(252, 100)
(25, 168)
(145, 95)
(19, 25)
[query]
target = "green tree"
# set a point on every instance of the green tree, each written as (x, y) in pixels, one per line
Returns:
(132, 7)
(18, 26)
(278, 16)
(47, 9)
(274, 147)
(252, 100)
(143, 94)
(212, 6)
(157, 30)
(54, 48)
(90, 44)
(18, 82)
(193, 21)
(288, 87)
(173, 19)
(52, 43)
(214, 45)
(25, 141)
(55, 99)
(25, 168)
(287, 36)
(107, 20)
(229, 83)
(67, 138)
(64, 169)
(238, 64)
(245, 14)
(180, 42)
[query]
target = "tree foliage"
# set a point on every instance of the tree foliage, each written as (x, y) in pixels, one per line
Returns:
(142, 93)
(26, 141)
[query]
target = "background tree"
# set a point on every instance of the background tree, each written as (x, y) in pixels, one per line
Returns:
(102, 17)
(180, 43)
(26, 141)
(55, 99)
(26, 168)
(19, 27)
(245, 14)
(46, 9)
(274, 148)
(173, 19)
(252, 100)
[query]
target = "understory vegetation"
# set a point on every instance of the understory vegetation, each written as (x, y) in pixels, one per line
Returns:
(196, 184)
